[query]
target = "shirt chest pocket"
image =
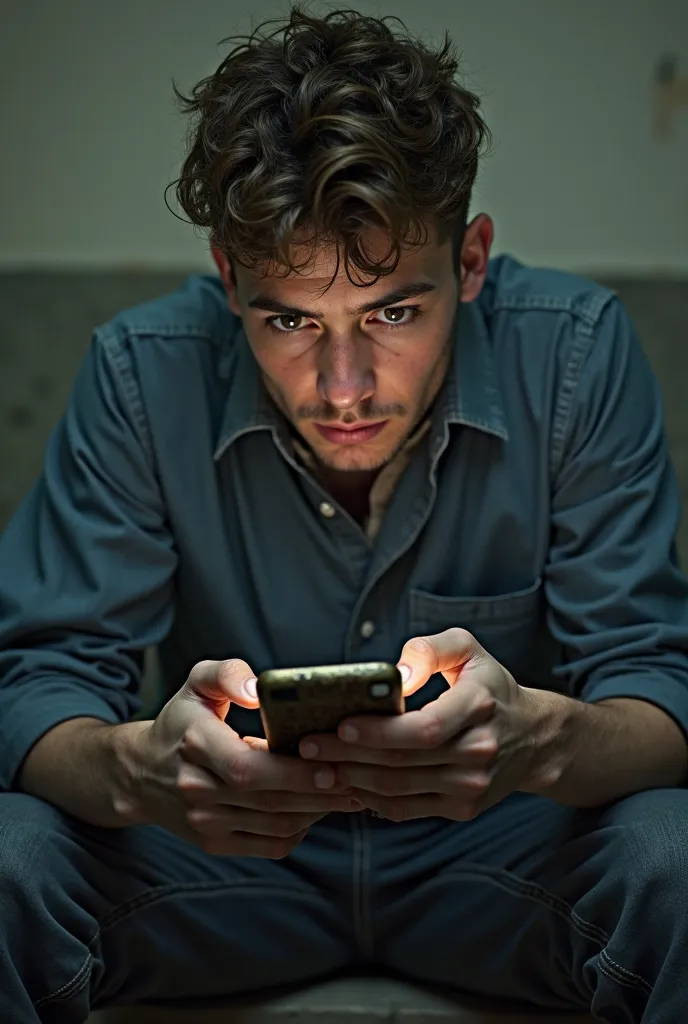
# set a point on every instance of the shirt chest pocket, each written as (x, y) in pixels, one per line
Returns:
(509, 626)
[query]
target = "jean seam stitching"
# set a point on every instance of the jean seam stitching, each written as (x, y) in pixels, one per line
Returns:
(70, 988)
(531, 890)
(559, 906)
(148, 898)
(356, 879)
(366, 872)
(622, 974)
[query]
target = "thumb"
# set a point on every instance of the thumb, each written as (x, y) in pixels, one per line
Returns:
(218, 684)
(448, 652)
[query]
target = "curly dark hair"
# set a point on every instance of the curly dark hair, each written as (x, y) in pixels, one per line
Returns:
(320, 128)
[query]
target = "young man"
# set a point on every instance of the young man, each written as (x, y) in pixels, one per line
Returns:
(362, 440)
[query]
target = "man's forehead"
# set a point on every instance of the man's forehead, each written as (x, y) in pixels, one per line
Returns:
(318, 271)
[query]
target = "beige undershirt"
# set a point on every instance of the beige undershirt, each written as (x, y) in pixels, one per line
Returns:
(385, 482)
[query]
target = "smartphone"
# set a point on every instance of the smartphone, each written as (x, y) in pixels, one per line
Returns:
(298, 702)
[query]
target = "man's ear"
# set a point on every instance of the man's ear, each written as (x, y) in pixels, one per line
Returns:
(475, 256)
(226, 271)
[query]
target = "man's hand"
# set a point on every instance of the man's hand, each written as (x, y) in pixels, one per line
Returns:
(479, 741)
(192, 774)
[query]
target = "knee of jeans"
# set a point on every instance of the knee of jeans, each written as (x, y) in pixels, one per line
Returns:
(28, 827)
(654, 830)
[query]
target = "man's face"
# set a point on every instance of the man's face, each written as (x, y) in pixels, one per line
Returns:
(353, 368)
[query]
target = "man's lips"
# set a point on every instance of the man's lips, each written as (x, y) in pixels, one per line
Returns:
(350, 435)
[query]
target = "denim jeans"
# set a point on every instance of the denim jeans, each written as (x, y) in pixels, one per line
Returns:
(562, 908)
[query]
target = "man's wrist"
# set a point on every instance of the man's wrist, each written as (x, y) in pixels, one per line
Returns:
(87, 767)
(554, 722)
(589, 754)
(127, 770)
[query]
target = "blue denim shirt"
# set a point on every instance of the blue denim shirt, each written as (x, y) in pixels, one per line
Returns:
(539, 512)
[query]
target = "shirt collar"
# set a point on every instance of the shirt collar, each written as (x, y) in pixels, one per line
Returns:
(248, 406)
(470, 395)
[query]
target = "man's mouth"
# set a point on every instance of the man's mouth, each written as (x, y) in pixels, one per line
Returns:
(356, 433)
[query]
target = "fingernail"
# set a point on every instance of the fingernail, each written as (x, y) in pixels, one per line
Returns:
(324, 778)
(355, 805)
(348, 733)
(309, 749)
(250, 687)
(405, 673)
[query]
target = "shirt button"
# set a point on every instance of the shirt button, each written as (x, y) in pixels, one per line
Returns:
(326, 509)
(367, 629)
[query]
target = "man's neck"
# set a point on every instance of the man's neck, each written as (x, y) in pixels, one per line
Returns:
(349, 489)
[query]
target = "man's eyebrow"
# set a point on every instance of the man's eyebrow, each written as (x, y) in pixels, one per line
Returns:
(407, 291)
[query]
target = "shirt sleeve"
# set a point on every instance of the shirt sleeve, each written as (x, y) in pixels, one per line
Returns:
(86, 566)
(618, 602)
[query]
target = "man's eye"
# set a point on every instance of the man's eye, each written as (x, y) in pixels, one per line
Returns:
(285, 323)
(399, 316)
(392, 316)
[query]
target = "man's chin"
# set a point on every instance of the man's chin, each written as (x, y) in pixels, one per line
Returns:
(365, 457)
(352, 459)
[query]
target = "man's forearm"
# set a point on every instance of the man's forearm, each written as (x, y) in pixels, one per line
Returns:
(78, 767)
(593, 754)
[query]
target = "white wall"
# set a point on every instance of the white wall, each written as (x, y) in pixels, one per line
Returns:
(89, 134)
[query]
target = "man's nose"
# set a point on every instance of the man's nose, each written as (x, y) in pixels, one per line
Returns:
(345, 374)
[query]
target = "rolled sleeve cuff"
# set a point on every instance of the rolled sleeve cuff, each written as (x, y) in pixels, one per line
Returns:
(669, 695)
(28, 720)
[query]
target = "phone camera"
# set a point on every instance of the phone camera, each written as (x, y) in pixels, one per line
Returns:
(379, 690)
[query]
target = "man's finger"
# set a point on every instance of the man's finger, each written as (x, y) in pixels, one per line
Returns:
(404, 808)
(242, 769)
(255, 742)
(475, 747)
(219, 683)
(277, 800)
(414, 781)
(429, 728)
(201, 788)
(311, 803)
(425, 729)
(222, 820)
(445, 652)
(328, 747)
